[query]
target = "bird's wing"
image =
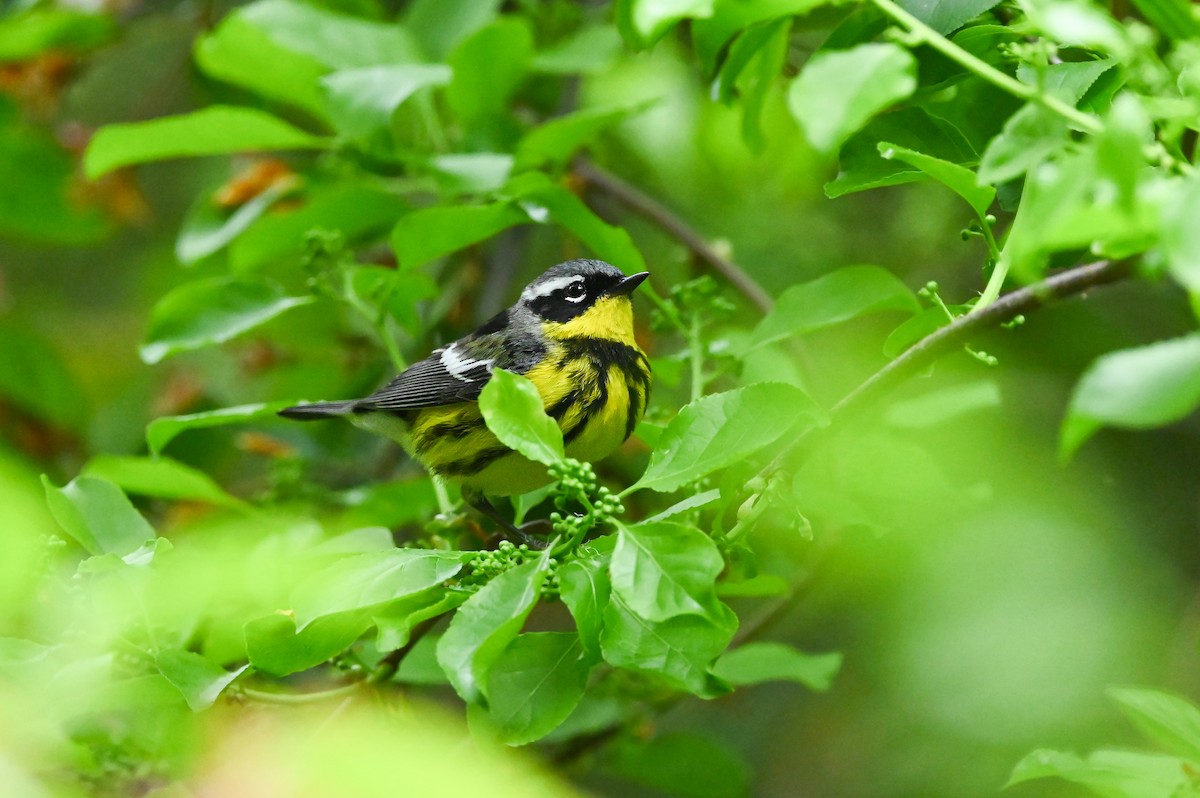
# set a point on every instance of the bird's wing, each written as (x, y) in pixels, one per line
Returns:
(455, 373)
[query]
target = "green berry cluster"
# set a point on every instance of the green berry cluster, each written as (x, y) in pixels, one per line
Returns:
(484, 566)
(578, 486)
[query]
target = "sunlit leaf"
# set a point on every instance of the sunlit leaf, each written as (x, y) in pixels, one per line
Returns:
(484, 626)
(958, 179)
(1168, 720)
(946, 16)
(395, 623)
(98, 515)
(717, 431)
(361, 101)
(497, 56)
(838, 92)
(28, 33)
(514, 412)
(370, 579)
(1134, 389)
(652, 18)
(678, 650)
(163, 430)
(208, 228)
(584, 586)
(212, 311)
(161, 477)
(535, 684)
(834, 298)
(336, 40)
(274, 646)
(199, 680)
(1115, 773)
(712, 32)
(557, 140)
(755, 663)
(545, 201)
(215, 130)
(430, 233)
(240, 53)
(665, 569)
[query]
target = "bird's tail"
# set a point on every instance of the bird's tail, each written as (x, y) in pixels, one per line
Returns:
(318, 410)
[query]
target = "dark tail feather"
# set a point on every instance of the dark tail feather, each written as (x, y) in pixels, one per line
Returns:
(318, 410)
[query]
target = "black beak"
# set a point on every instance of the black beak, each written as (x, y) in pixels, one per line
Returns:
(628, 285)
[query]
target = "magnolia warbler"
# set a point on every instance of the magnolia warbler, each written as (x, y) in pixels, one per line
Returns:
(570, 334)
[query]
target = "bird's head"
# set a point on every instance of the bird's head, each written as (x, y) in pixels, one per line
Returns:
(584, 298)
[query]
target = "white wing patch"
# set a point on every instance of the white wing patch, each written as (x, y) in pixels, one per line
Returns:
(458, 365)
(549, 287)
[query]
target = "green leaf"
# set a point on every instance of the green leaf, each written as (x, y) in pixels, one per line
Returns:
(160, 477)
(274, 646)
(1173, 17)
(585, 586)
(861, 168)
(244, 55)
(535, 684)
(1029, 137)
(838, 92)
(336, 40)
(684, 765)
(946, 16)
(959, 179)
(755, 663)
(652, 18)
(216, 130)
(545, 201)
(484, 626)
(430, 233)
(162, 431)
(208, 229)
(719, 430)
(441, 24)
(1121, 774)
(1069, 80)
(361, 102)
(1180, 234)
(395, 622)
(555, 142)
(370, 579)
(26, 34)
(472, 172)
(832, 299)
(514, 412)
(198, 679)
(665, 569)
(1134, 389)
(693, 502)
(678, 650)
(355, 209)
(711, 34)
(923, 324)
(212, 311)
(1168, 720)
(98, 515)
(497, 57)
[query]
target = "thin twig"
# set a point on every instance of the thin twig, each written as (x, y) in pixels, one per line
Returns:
(636, 200)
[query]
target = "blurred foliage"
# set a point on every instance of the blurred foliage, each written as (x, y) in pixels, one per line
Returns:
(212, 210)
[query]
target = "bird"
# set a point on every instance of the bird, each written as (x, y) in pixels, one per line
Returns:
(570, 332)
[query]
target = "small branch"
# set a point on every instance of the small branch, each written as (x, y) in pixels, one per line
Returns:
(633, 198)
(957, 333)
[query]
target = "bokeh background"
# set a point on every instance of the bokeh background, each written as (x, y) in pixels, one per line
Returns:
(989, 593)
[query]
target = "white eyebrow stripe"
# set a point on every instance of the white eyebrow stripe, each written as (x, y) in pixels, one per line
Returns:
(457, 365)
(550, 286)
